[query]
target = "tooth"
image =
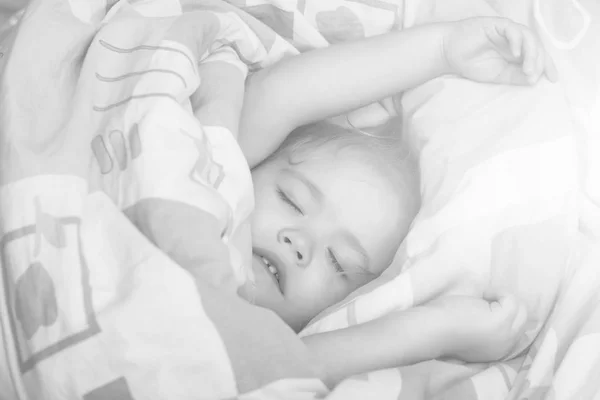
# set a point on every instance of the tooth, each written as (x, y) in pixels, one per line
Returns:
(272, 269)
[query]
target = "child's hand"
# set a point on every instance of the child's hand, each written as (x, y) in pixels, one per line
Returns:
(479, 330)
(496, 50)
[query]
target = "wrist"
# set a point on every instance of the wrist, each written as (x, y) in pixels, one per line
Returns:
(445, 29)
(434, 43)
(437, 330)
(423, 326)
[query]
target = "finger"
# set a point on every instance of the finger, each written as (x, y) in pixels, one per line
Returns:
(505, 41)
(550, 68)
(522, 68)
(530, 51)
(515, 40)
(538, 68)
(513, 75)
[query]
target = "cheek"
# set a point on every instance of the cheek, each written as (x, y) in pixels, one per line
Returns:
(264, 216)
(387, 237)
(385, 253)
(316, 289)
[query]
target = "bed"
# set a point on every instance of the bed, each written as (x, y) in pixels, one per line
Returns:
(105, 176)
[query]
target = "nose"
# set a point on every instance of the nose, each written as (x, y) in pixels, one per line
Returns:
(298, 245)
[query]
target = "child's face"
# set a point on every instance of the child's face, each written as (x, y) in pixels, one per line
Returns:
(328, 225)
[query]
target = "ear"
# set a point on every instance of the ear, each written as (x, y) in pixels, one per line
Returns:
(296, 155)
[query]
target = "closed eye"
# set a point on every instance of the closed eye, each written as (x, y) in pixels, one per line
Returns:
(288, 201)
(338, 267)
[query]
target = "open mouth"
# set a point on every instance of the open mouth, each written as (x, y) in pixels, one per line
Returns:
(270, 267)
(272, 264)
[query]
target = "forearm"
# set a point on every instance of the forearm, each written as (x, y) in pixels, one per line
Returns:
(349, 75)
(398, 339)
(327, 82)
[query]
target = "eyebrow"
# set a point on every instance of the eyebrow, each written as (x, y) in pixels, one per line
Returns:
(349, 237)
(316, 193)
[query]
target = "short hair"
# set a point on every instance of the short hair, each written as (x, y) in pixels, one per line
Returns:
(386, 151)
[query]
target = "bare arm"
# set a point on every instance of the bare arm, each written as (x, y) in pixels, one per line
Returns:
(397, 339)
(343, 77)
(327, 82)
(458, 327)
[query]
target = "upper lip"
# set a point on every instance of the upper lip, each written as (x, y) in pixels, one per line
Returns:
(273, 259)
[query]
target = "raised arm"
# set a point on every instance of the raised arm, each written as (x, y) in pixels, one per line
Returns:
(327, 82)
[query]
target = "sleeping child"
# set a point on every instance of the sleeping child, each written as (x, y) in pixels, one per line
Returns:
(332, 204)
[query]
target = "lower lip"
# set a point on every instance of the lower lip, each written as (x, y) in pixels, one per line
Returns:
(259, 259)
